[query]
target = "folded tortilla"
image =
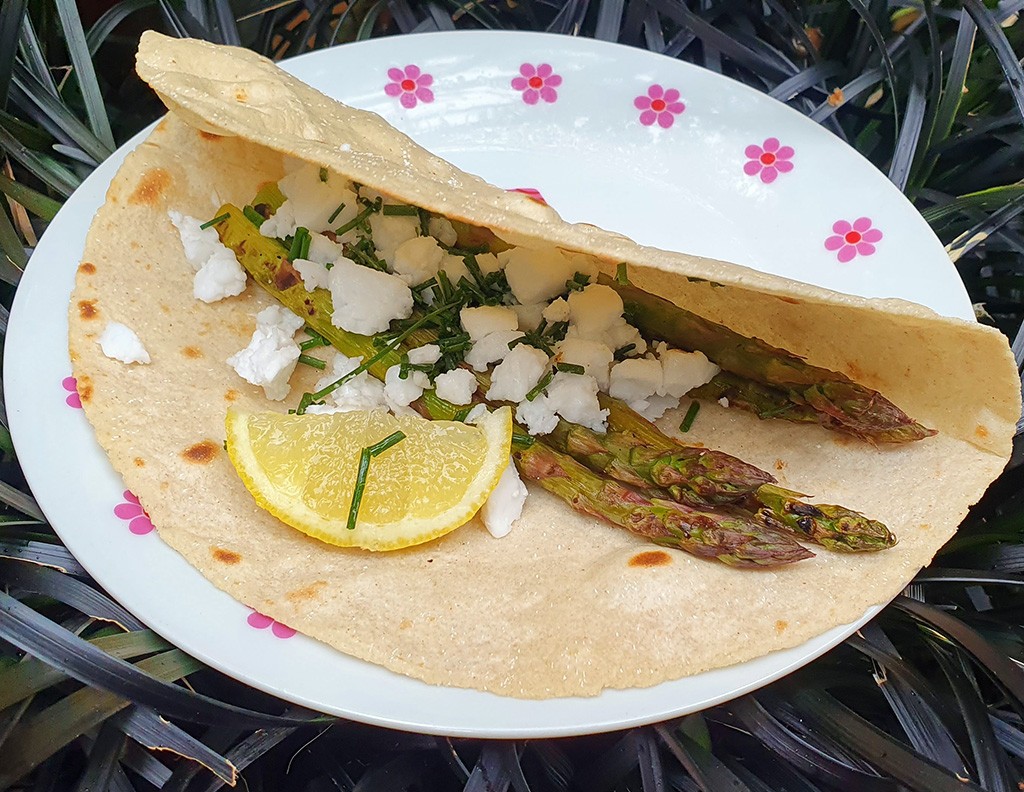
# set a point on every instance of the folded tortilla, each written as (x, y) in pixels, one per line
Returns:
(565, 605)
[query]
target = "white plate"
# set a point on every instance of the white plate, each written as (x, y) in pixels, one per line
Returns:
(680, 182)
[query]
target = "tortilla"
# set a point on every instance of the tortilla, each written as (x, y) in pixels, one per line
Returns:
(565, 605)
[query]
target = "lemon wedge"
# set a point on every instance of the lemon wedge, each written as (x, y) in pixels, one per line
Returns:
(303, 469)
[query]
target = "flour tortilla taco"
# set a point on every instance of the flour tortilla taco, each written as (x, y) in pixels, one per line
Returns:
(561, 606)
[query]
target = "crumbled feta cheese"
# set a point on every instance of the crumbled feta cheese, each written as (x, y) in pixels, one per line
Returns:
(594, 310)
(417, 260)
(313, 274)
(487, 319)
(366, 300)
(635, 379)
(362, 392)
(574, 397)
(455, 268)
(621, 335)
(218, 273)
(390, 231)
(517, 374)
(530, 316)
(505, 503)
(119, 342)
(557, 311)
(426, 354)
(491, 348)
(538, 416)
(456, 386)
(442, 229)
(653, 407)
(403, 392)
(724, 402)
(310, 202)
(684, 371)
(595, 357)
(478, 412)
(322, 250)
(536, 275)
(488, 263)
(270, 357)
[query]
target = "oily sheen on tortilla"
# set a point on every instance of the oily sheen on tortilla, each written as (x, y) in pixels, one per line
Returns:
(565, 605)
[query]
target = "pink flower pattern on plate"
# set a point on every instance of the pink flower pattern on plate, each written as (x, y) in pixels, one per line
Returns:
(410, 85)
(70, 384)
(659, 105)
(531, 193)
(261, 622)
(769, 159)
(537, 82)
(853, 239)
(131, 511)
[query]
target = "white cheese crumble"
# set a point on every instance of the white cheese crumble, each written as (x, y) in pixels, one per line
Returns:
(536, 275)
(595, 357)
(635, 379)
(417, 260)
(314, 274)
(574, 397)
(492, 348)
(557, 311)
(119, 342)
(362, 392)
(390, 231)
(456, 386)
(442, 229)
(517, 374)
(594, 310)
(322, 250)
(310, 203)
(487, 319)
(270, 357)
(366, 300)
(218, 273)
(538, 416)
(530, 315)
(400, 393)
(683, 371)
(427, 354)
(505, 504)
(455, 268)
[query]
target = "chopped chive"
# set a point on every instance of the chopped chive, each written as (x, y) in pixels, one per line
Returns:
(309, 360)
(403, 366)
(570, 368)
(400, 210)
(359, 218)
(253, 216)
(315, 340)
(295, 251)
(364, 467)
(521, 440)
(217, 219)
(304, 248)
(307, 400)
(690, 415)
(623, 351)
(424, 222)
(540, 386)
(578, 282)
(335, 213)
(621, 275)
(323, 174)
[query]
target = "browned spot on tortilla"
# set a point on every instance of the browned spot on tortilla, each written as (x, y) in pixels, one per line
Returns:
(139, 462)
(924, 527)
(405, 624)
(306, 592)
(650, 558)
(134, 245)
(84, 387)
(201, 453)
(241, 95)
(165, 308)
(286, 276)
(780, 626)
(854, 372)
(164, 486)
(225, 556)
(231, 395)
(780, 464)
(87, 268)
(790, 300)
(981, 431)
(843, 439)
(148, 267)
(208, 135)
(192, 352)
(150, 187)
(87, 309)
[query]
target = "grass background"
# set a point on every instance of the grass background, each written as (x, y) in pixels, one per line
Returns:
(928, 697)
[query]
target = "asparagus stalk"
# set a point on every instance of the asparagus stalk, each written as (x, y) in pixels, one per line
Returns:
(834, 527)
(734, 539)
(766, 378)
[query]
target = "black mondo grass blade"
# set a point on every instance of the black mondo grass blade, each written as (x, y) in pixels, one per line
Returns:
(913, 122)
(85, 73)
(249, 750)
(493, 769)
(104, 756)
(32, 632)
(707, 769)
(43, 553)
(1004, 53)
(12, 13)
(110, 19)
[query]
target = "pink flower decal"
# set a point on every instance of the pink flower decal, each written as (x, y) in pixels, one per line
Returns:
(410, 85)
(261, 622)
(132, 513)
(659, 105)
(769, 159)
(853, 239)
(531, 193)
(70, 384)
(537, 82)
